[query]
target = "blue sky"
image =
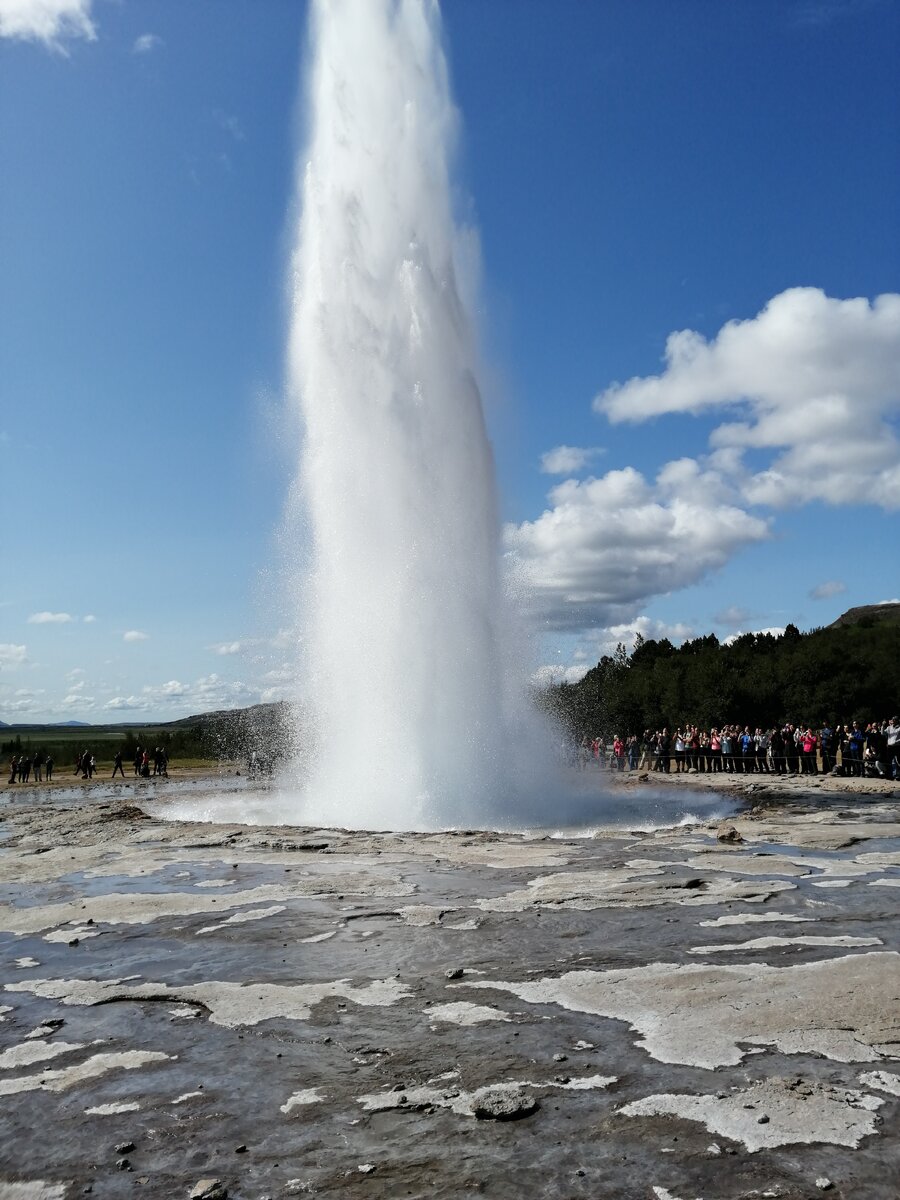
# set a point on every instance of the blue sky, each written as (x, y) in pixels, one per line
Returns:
(634, 169)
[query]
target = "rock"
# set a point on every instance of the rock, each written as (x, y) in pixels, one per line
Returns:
(503, 1104)
(242, 1149)
(366, 1168)
(560, 1057)
(209, 1189)
(729, 835)
(763, 1120)
(122, 1164)
(124, 1147)
(454, 973)
(823, 1183)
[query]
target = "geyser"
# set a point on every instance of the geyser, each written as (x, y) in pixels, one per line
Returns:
(413, 719)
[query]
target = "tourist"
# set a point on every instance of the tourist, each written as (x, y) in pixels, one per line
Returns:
(117, 765)
(48, 769)
(892, 747)
(826, 742)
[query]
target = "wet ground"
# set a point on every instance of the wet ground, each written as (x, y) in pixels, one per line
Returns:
(298, 1011)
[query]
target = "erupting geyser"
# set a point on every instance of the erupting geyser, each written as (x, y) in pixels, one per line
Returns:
(403, 671)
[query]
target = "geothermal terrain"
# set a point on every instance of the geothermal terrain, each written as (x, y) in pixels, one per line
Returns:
(195, 1009)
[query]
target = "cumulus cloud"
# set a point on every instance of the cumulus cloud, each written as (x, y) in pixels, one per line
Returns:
(135, 635)
(50, 618)
(569, 460)
(813, 380)
(146, 43)
(51, 22)
(89, 619)
(226, 648)
(822, 591)
(605, 546)
(12, 655)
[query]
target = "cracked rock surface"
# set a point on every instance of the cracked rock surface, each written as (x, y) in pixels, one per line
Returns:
(264, 1011)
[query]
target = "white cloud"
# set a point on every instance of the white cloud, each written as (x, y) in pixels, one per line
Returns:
(135, 635)
(823, 591)
(569, 460)
(146, 43)
(226, 648)
(811, 379)
(75, 672)
(80, 701)
(125, 702)
(89, 619)
(11, 655)
(50, 618)
(775, 630)
(52, 22)
(607, 545)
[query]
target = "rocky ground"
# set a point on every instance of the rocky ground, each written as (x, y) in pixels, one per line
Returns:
(711, 1010)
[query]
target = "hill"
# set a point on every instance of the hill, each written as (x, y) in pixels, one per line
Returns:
(868, 615)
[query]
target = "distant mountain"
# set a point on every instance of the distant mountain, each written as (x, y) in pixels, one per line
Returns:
(869, 614)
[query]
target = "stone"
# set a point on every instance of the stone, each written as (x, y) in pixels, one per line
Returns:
(122, 1164)
(454, 973)
(209, 1189)
(729, 835)
(124, 1147)
(366, 1168)
(823, 1183)
(503, 1104)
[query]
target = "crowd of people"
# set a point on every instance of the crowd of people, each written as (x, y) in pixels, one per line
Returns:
(38, 767)
(854, 749)
(24, 767)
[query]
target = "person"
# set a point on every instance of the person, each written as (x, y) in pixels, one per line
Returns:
(892, 747)
(25, 768)
(761, 757)
(646, 760)
(776, 748)
(876, 743)
(826, 739)
(37, 762)
(164, 762)
(632, 750)
(679, 752)
(117, 765)
(14, 769)
(748, 751)
(138, 753)
(145, 765)
(619, 753)
(48, 769)
(855, 741)
(808, 746)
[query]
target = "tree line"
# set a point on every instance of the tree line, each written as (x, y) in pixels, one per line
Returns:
(847, 673)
